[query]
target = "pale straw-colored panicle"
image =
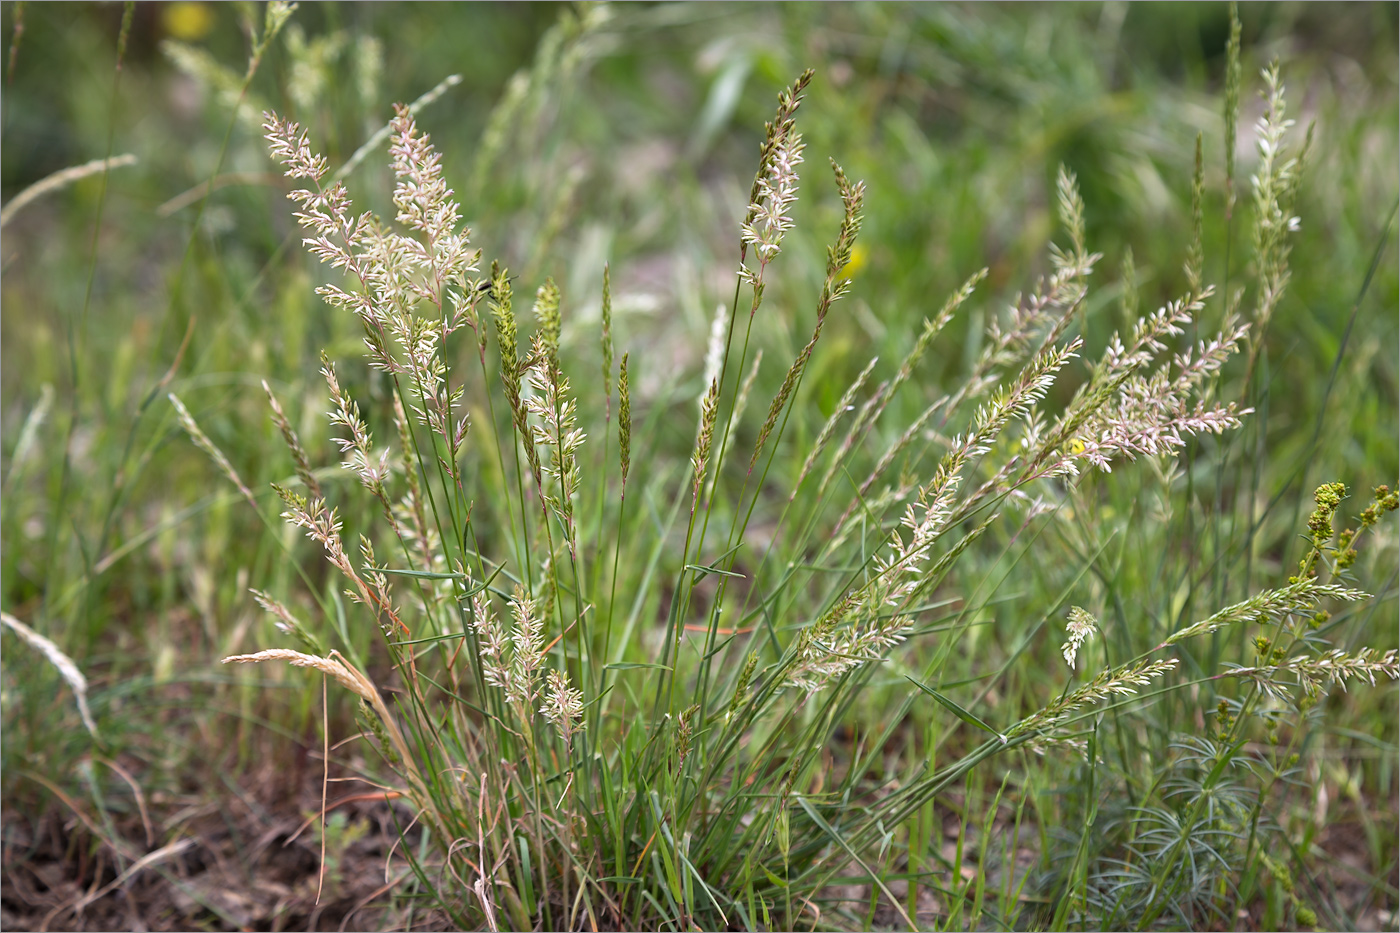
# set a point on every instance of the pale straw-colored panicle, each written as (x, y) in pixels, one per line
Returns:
(562, 706)
(493, 646)
(335, 666)
(332, 667)
(1300, 596)
(60, 180)
(358, 447)
(555, 429)
(287, 623)
(527, 650)
(61, 662)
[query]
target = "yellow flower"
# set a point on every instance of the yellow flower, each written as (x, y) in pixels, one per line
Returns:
(187, 20)
(859, 256)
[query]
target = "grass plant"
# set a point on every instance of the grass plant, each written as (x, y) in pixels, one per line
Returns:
(992, 609)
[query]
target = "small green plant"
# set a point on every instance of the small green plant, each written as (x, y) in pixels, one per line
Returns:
(612, 715)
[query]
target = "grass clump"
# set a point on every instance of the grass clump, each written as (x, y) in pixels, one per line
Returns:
(679, 776)
(899, 603)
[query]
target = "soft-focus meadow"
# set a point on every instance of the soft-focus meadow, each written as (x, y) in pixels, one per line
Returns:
(862, 636)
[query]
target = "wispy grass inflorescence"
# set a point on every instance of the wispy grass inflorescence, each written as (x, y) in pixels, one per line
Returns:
(835, 285)
(1080, 629)
(555, 428)
(202, 441)
(1120, 681)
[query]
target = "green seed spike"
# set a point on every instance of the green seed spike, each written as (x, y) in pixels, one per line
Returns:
(624, 421)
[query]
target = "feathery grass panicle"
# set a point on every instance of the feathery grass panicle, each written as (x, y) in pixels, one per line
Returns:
(1120, 681)
(774, 190)
(333, 667)
(555, 428)
(358, 448)
(775, 134)
(60, 180)
(1316, 674)
(1274, 182)
(1071, 206)
(1301, 597)
(527, 649)
(322, 525)
(348, 676)
(1081, 628)
(562, 707)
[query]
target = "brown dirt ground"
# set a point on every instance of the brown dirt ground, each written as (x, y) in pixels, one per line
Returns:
(229, 863)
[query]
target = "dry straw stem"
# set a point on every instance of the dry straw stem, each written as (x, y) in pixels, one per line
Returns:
(334, 665)
(59, 180)
(344, 673)
(66, 668)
